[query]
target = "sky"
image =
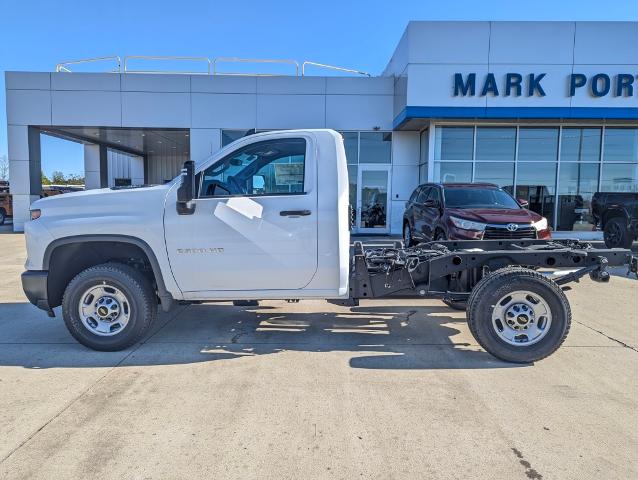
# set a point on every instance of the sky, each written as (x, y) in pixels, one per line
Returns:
(35, 35)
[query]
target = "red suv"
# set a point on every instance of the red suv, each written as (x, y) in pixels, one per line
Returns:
(468, 211)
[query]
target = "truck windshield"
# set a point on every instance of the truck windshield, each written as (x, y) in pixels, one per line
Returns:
(478, 198)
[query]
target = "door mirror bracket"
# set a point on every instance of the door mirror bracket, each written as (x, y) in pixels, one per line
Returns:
(186, 190)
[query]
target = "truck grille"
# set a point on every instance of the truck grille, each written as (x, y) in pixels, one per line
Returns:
(501, 232)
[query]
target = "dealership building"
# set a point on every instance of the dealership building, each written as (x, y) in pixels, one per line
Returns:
(548, 110)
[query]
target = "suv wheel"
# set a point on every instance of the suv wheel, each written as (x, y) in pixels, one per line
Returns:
(3, 216)
(408, 241)
(616, 234)
(109, 307)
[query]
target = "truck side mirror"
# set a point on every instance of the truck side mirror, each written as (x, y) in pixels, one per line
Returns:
(523, 203)
(186, 189)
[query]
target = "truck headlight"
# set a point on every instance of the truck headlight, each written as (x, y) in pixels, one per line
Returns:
(467, 224)
(540, 225)
(35, 213)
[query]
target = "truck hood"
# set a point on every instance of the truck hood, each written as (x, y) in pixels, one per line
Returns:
(103, 201)
(495, 215)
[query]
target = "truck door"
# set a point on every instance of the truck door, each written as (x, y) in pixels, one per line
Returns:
(255, 220)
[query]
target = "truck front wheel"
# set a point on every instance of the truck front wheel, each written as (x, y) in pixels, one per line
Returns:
(518, 315)
(109, 307)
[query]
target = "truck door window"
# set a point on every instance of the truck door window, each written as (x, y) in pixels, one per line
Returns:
(272, 167)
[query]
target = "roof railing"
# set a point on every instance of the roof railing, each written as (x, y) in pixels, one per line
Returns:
(127, 69)
(64, 66)
(211, 66)
(252, 60)
(331, 67)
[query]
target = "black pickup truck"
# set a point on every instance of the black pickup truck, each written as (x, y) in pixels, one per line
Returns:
(616, 214)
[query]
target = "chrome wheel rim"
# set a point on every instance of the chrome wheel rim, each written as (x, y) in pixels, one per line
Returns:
(521, 318)
(104, 310)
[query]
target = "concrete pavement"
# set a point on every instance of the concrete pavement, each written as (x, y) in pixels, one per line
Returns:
(390, 389)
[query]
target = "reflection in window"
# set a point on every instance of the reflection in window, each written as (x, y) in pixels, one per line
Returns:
(537, 144)
(351, 146)
(352, 180)
(500, 173)
(229, 136)
(580, 145)
(621, 145)
(536, 184)
(577, 183)
(262, 168)
(495, 143)
(448, 172)
(453, 143)
(375, 147)
(619, 177)
(374, 198)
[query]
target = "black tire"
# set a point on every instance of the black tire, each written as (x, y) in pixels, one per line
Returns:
(499, 284)
(476, 291)
(460, 305)
(141, 302)
(408, 240)
(3, 216)
(616, 233)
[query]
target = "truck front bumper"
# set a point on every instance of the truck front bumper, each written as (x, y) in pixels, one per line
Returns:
(34, 284)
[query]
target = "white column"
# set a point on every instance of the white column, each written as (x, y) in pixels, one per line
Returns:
(405, 174)
(137, 170)
(20, 173)
(91, 166)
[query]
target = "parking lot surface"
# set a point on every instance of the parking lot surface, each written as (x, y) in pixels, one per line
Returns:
(389, 389)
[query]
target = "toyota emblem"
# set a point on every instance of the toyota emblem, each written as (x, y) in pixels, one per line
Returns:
(512, 227)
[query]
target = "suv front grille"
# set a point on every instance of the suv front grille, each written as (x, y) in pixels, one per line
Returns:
(500, 232)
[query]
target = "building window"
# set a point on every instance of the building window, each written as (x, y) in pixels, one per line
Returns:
(621, 144)
(537, 185)
(577, 183)
(500, 173)
(454, 143)
(619, 177)
(449, 172)
(495, 143)
(537, 144)
(229, 136)
(580, 144)
(375, 147)
(351, 145)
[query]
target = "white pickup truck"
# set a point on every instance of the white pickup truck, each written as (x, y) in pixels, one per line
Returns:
(267, 217)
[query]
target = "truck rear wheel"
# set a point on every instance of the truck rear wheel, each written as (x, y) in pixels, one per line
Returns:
(109, 307)
(617, 234)
(518, 315)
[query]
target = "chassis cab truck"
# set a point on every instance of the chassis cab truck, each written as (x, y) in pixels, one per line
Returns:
(267, 217)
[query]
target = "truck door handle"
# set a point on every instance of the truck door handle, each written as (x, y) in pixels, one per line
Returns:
(295, 213)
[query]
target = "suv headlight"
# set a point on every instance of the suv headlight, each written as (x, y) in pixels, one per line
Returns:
(467, 224)
(540, 225)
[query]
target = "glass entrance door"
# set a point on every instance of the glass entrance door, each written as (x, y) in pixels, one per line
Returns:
(372, 199)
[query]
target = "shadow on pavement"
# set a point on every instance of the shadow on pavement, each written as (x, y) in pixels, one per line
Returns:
(379, 337)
